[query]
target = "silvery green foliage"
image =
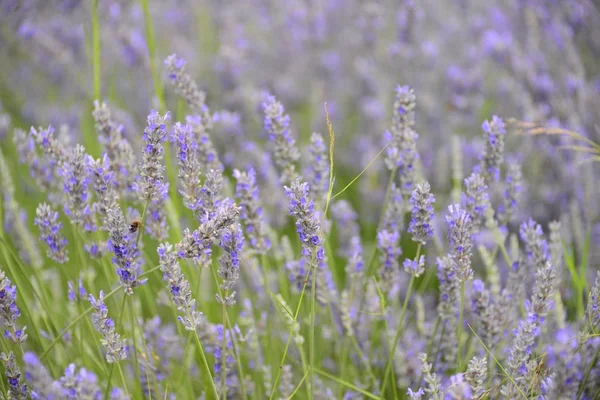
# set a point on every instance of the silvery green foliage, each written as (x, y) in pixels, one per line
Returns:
(116, 348)
(434, 386)
(179, 287)
(519, 360)
(251, 210)
(16, 389)
(285, 152)
(49, 225)
(104, 185)
(118, 149)
(317, 168)
(476, 375)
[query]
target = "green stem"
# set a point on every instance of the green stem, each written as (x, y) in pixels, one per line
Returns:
(133, 336)
(205, 364)
(392, 350)
(587, 374)
(123, 379)
(459, 328)
(158, 88)
(110, 374)
(223, 351)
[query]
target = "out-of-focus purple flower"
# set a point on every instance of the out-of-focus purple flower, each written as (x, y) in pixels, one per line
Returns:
(49, 225)
(251, 210)
(475, 199)
(116, 348)
(207, 154)
(277, 125)
(492, 157)
(415, 267)
(76, 180)
(317, 171)
(183, 82)
(81, 384)
(104, 184)
(77, 294)
(512, 193)
(536, 245)
(189, 165)
(388, 244)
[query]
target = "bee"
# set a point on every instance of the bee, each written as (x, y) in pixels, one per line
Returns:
(135, 225)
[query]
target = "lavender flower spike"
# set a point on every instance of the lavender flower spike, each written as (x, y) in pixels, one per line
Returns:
(47, 220)
(492, 157)
(76, 180)
(104, 185)
(277, 125)
(9, 311)
(475, 199)
(461, 245)
(318, 168)
(116, 348)
(179, 287)
(184, 83)
(415, 267)
(151, 187)
(16, 390)
(251, 211)
(126, 256)
(308, 224)
(420, 225)
(189, 165)
(232, 241)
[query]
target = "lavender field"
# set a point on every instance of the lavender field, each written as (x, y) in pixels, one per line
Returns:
(302, 199)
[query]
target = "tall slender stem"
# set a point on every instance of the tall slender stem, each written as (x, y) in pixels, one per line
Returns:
(96, 49)
(459, 328)
(311, 355)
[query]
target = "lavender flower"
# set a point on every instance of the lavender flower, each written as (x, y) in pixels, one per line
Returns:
(402, 151)
(16, 390)
(448, 306)
(50, 145)
(210, 195)
(394, 212)
(459, 235)
(476, 375)
(82, 384)
(475, 199)
(277, 125)
(529, 329)
(308, 224)
(39, 379)
(512, 193)
(348, 229)
(179, 287)
(232, 241)
(50, 227)
(198, 244)
(317, 171)
(184, 83)
(116, 348)
(535, 244)
(76, 294)
(126, 256)
(189, 164)
(251, 210)
(9, 311)
(420, 225)
(592, 312)
(39, 167)
(76, 180)
(433, 384)
(389, 248)
(118, 149)
(151, 187)
(104, 186)
(415, 267)
(492, 313)
(492, 157)
(208, 156)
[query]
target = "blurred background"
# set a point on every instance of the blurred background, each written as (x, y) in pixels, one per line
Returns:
(534, 61)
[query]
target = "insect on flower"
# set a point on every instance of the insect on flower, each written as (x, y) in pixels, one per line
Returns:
(135, 225)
